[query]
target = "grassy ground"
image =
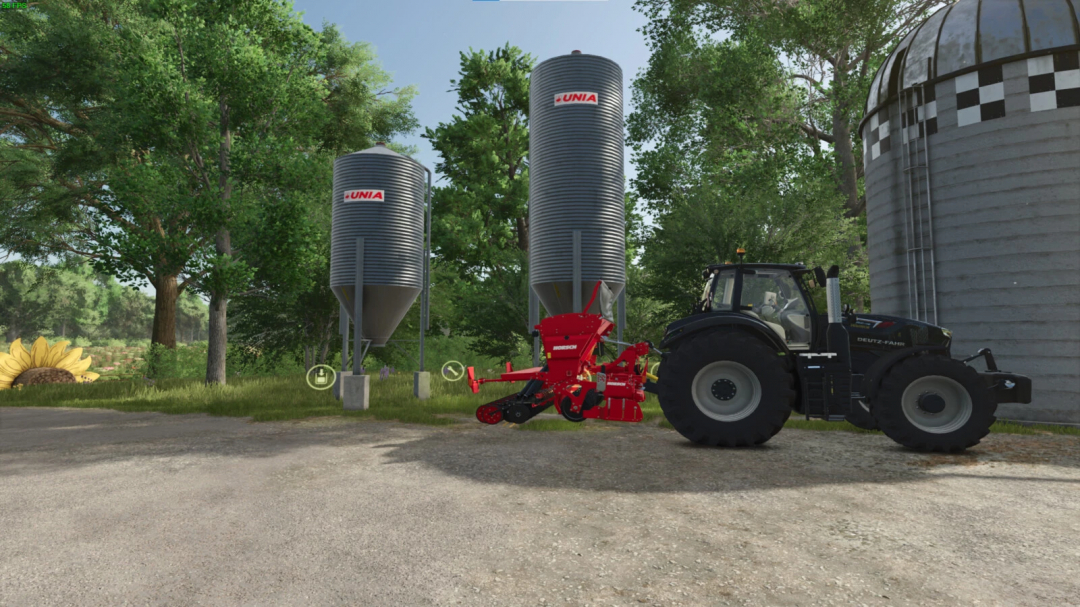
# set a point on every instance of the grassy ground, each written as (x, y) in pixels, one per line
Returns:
(289, 397)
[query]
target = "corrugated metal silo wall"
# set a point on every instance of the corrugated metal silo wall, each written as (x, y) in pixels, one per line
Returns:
(575, 177)
(1006, 207)
(393, 232)
(393, 229)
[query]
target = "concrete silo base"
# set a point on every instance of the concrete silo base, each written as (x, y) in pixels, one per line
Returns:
(422, 385)
(356, 392)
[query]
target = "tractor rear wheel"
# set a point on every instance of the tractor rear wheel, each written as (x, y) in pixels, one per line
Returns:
(726, 388)
(934, 403)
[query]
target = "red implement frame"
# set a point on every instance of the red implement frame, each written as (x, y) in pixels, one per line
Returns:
(572, 381)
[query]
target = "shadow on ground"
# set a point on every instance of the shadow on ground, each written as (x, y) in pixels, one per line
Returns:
(632, 458)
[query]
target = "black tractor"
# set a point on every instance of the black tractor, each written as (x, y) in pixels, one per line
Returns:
(756, 347)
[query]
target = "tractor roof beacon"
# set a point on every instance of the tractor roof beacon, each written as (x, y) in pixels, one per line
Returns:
(755, 347)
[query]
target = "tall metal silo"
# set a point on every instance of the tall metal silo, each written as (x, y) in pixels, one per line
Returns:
(575, 178)
(379, 195)
(972, 159)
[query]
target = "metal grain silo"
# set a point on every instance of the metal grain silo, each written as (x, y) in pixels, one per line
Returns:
(972, 159)
(378, 196)
(575, 178)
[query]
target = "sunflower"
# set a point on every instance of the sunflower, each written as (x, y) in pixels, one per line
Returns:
(43, 365)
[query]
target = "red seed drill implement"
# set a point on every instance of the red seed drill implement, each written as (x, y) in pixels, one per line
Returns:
(571, 380)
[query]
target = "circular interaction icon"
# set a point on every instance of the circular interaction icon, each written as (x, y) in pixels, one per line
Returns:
(321, 377)
(452, 370)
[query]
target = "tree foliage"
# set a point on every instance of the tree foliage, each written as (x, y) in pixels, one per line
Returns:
(744, 132)
(149, 137)
(481, 230)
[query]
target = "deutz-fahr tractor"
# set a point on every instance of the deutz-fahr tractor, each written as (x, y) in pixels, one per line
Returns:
(755, 347)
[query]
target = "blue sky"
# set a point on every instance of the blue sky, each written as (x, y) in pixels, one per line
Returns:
(418, 41)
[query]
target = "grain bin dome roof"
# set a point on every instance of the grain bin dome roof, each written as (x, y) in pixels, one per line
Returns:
(967, 35)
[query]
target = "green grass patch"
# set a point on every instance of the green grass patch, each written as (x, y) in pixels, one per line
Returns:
(1006, 427)
(277, 398)
(261, 398)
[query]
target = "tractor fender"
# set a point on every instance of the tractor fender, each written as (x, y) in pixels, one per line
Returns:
(873, 375)
(741, 321)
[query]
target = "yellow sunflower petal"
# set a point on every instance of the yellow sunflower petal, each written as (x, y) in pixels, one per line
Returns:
(39, 352)
(69, 359)
(79, 367)
(56, 353)
(86, 377)
(9, 365)
(5, 385)
(19, 352)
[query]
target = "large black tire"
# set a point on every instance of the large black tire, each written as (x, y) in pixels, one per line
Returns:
(743, 389)
(934, 403)
(860, 416)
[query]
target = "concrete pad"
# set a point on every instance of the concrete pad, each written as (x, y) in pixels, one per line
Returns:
(337, 383)
(357, 392)
(421, 385)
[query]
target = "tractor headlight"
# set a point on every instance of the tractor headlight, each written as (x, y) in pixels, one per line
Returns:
(946, 332)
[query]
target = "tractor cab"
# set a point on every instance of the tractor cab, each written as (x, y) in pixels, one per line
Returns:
(771, 293)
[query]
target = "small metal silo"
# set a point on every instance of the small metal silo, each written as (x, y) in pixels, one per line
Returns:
(972, 158)
(575, 178)
(379, 195)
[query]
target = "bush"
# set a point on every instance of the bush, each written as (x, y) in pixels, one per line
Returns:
(138, 343)
(183, 362)
(113, 343)
(81, 342)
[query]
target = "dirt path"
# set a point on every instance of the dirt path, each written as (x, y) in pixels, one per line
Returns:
(106, 508)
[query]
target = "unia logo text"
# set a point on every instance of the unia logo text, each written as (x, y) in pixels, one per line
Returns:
(575, 98)
(365, 195)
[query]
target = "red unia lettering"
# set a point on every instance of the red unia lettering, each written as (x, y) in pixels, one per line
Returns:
(577, 98)
(365, 195)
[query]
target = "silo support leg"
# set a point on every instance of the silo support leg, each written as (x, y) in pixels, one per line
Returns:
(355, 388)
(622, 318)
(577, 272)
(534, 319)
(343, 328)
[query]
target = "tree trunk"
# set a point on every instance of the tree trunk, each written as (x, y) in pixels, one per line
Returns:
(63, 328)
(523, 233)
(12, 333)
(215, 356)
(164, 331)
(219, 298)
(848, 178)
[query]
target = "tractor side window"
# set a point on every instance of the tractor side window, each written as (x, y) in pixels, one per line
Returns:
(725, 289)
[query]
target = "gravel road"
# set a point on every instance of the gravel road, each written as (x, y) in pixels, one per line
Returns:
(106, 508)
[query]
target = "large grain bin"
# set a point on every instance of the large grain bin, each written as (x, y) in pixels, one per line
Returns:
(575, 177)
(379, 196)
(972, 158)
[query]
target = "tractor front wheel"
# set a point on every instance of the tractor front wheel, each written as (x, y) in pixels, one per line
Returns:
(934, 403)
(726, 388)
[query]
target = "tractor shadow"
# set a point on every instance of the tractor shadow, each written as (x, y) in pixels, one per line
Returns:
(650, 459)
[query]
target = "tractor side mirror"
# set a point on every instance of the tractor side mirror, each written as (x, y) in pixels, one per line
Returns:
(819, 276)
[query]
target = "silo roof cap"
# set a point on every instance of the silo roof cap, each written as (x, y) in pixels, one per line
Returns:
(969, 34)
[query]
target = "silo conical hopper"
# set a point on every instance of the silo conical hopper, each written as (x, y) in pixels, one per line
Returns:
(576, 178)
(379, 196)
